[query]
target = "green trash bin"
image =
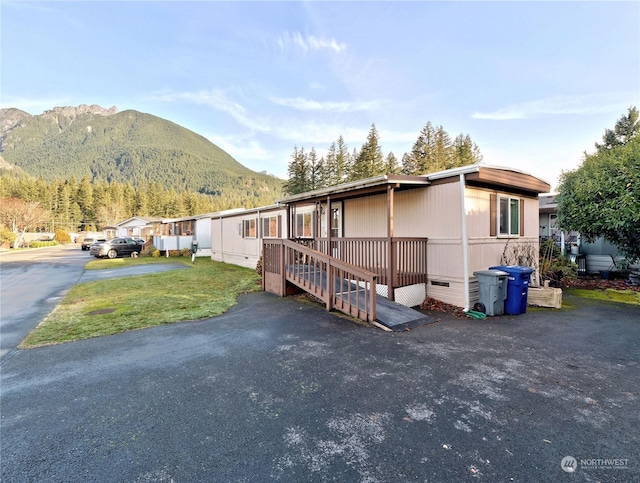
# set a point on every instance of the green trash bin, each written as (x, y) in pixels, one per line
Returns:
(493, 291)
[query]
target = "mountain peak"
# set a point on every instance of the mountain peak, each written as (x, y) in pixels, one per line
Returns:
(70, 111)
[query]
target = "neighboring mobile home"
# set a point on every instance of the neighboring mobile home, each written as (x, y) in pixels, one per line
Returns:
(175, 234)
(238, 235)
(139, 226)
(600, 255)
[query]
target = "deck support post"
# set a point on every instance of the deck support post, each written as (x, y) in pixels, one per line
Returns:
(391, 252)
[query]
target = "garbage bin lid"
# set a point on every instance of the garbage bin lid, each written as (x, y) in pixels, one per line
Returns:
(491, 273)
(514, 269)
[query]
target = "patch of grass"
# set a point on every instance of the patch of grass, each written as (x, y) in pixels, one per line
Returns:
(609, 294)
(104, 263)
(206, 289)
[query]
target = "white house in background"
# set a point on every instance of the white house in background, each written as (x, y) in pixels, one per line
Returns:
(231, 236)
(139, 226)
(175, 234)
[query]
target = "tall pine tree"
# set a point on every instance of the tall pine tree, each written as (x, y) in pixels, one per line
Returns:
(369, 161)
(299, 173)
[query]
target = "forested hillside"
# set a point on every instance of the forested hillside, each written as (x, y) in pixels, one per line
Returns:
(127, 147)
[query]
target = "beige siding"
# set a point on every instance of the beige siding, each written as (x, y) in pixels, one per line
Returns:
(410, 213)
(531, 217)
(432, 212)
(228, 244)
(443, 213)
(445, 264)
(478, 220)
(365, 217)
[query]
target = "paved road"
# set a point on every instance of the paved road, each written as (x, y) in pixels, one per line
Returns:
(281, 390)
(32, 282)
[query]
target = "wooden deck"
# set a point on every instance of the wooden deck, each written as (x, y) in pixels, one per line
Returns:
(340, 285)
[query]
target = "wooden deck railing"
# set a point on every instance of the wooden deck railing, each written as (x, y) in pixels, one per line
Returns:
(338, 284)
(402, 264)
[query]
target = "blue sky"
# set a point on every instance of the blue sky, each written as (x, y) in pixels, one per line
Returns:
(534, 84)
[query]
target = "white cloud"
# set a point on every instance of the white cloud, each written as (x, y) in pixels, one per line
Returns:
(560, 105)
(220, 101)
(241, 148)
(305, 133)
(327, 106)
(308, 43)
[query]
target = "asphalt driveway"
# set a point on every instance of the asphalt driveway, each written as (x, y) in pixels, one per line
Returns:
(281, 390)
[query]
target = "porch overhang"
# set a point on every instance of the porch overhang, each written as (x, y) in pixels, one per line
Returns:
(485, 176)
(355, 189)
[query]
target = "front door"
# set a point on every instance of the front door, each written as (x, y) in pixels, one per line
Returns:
(336, 219)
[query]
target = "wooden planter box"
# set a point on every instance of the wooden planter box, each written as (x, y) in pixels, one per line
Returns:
(545, 296)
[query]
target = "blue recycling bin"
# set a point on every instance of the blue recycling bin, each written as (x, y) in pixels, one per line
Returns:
(517, 288)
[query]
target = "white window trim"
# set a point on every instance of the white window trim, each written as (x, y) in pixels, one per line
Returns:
(246, 228)
(499, 212)
(268, 219)
(311, 221)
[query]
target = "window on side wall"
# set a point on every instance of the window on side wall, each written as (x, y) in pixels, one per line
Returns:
(271, 227)
(304, 225)
(249, 228)
(508, 216)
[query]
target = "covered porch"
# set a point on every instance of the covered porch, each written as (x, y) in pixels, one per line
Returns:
(324, 221)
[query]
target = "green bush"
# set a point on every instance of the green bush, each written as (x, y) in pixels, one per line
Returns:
(40, 244)
(549, 249)
(6, 235)
(185, 252)
(149, 250)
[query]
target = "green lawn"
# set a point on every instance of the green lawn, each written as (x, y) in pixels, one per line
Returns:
(609, 294)
(106, 307)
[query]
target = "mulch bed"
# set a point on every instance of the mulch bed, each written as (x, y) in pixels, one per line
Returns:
(432, 305)
(594, 282)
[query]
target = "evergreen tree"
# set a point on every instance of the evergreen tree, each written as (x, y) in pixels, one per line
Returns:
(466, 152)
(315, 170)
(85, 200)
(443, 151)
(299, 173)
(409, 166)
(369, 161)
(331, 167)
(343, 162)
(391, 164)
(141, 202)
(434, 151)
(422, 152)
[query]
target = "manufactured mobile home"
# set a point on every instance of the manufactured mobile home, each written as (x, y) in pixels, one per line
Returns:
(143, 227)
(237, 235)
(401, 237)
(175, 234)
(418, 235)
